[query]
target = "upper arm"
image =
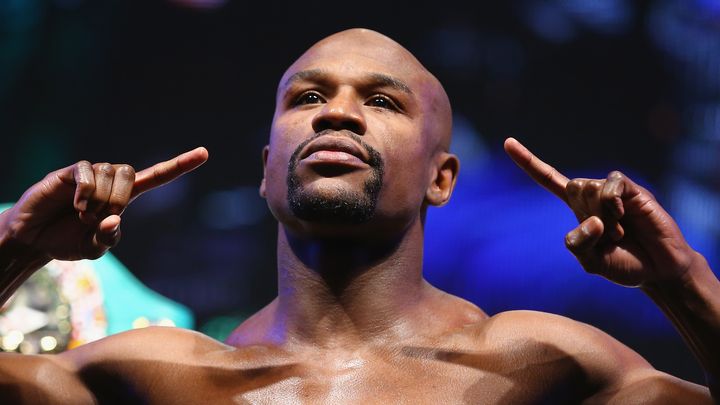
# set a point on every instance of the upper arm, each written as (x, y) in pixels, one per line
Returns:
(650, 386)
(141, 365)
(627, 378)
(624, 377)
(615, 373)
(33, 379)
(119, 368)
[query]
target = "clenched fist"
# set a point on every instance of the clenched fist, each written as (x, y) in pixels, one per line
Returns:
(74, 213)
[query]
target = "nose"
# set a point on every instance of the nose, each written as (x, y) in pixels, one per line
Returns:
(340, 112)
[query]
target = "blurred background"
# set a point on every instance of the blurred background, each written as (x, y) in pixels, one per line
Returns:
(589, 85)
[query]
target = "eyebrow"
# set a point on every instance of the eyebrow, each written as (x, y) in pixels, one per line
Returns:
(378, 78)
(304, 75)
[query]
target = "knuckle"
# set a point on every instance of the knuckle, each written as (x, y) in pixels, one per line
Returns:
(610, 196)
(615, 175)
(125, 171)
(83, 164)
(592, 187)
(596, 184)
(574, 186)
(106, 169)
(84, 171)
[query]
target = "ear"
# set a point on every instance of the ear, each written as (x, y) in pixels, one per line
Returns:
(445, 171)
(265, 152)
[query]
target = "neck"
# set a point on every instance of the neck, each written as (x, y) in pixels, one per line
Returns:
(344, 292)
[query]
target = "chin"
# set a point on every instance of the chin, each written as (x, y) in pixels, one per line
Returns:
(340, 207)
(333, 201)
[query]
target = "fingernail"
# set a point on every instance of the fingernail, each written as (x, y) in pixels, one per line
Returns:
(82, 205)
(571, 239)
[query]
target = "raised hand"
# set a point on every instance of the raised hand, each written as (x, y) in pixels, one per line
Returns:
(624, 235)
(74, 212)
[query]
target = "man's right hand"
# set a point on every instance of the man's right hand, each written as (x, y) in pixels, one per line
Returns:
(74, 212)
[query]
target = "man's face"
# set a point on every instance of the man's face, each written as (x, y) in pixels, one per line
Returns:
(349, 142)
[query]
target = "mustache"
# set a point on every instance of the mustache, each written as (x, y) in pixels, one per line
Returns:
(375, 160)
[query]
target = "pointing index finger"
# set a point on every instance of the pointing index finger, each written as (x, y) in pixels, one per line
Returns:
(165, 172)
(543, 174)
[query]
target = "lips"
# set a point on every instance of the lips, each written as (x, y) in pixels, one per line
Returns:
(334, 149)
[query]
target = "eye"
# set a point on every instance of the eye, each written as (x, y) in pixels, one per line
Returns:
(382, 102)
(309, 97)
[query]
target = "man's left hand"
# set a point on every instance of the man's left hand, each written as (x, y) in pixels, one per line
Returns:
(624, 234)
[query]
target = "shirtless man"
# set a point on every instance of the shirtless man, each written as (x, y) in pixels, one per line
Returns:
(358, 151)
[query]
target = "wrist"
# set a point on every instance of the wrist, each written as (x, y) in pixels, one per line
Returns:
(15, 254)
(17, 261)
(674, 263)
(687, 280)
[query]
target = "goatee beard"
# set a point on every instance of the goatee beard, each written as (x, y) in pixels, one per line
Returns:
(343, 207)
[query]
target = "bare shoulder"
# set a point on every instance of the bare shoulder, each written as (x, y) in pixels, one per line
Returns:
(157, 347)
(152, 343)
(595, 351)
(122, 368)
(562, 332)
(157, 364)
(142, 355)
(540, 338)
(613, 371)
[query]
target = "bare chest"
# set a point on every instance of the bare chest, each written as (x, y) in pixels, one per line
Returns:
(416, 378)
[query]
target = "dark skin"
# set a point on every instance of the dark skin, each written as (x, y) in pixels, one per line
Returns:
(354, 320)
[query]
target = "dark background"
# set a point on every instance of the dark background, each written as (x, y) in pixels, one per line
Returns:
(590, 86)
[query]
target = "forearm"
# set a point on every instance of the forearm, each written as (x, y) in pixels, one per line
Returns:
(693, 306)
(17, 261)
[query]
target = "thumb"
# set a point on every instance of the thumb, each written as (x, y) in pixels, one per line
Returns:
(107, 235)
(582, 240)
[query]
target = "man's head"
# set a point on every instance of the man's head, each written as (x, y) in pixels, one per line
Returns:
(360, 135)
